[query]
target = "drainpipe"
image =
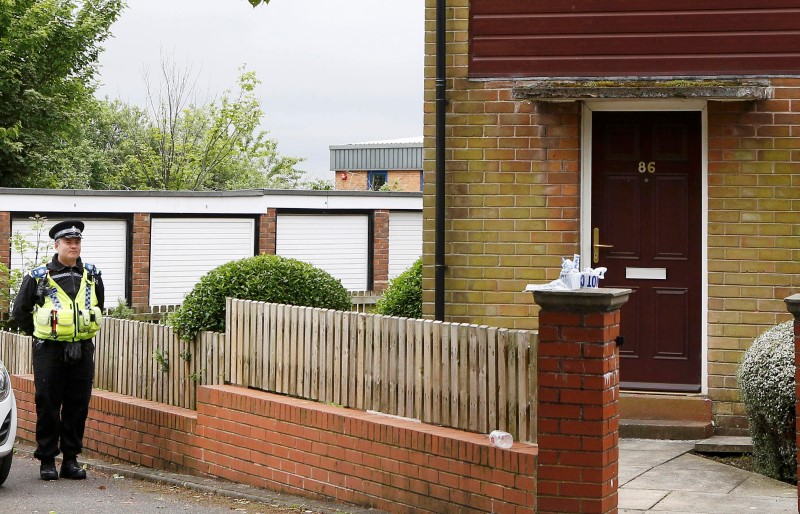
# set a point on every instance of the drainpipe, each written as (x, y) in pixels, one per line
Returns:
(441, 104)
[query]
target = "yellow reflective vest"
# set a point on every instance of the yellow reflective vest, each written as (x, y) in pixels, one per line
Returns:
(60, 318)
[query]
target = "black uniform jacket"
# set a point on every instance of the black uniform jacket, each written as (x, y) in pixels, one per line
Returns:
(68, 277)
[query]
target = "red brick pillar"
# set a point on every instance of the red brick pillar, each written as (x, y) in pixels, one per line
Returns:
(793, 305)
(5, 238)
(578, 383)
(140, 294)
(380, 250)
(267, 230)
(5, 254)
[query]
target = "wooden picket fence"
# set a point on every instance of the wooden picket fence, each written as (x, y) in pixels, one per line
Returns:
(464, 376)
(150, 361)
(471, 377)
(15, 352)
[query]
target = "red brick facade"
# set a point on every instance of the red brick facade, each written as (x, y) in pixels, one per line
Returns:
(140, 286)
(267, 230)
(380, 252)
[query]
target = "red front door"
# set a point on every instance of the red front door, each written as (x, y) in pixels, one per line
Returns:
(646, 206)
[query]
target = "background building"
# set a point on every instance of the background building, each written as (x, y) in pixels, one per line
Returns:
(394, 165)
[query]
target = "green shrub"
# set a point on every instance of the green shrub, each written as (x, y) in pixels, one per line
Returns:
(403, 296)
(264, 278)
(766, 382)
(121, 311)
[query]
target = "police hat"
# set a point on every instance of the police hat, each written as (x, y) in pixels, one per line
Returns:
(70, 228)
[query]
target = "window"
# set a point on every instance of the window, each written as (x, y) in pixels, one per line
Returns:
(376, 179)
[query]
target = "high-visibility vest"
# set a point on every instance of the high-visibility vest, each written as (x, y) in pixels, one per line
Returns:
(60, 318)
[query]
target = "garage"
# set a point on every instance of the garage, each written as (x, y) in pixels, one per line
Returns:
(405, 241)
(336, 243)
(105, 245)
(182, 250)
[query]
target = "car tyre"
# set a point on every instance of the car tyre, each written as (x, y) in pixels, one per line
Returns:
(5, 466)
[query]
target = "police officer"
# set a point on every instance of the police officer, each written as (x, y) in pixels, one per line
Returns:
(61, 305)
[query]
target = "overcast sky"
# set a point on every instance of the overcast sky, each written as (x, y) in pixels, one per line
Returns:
(332, 72)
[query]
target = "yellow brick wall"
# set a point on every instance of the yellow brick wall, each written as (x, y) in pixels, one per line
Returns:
(512, 186)
(753, 231)
(512, 189)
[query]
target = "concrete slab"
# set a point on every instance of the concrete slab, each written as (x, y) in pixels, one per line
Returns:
(647, 458)
(759, 485)
(691, 473)
(661, 476)
(715, 503)
(627, 473)
(640, 499)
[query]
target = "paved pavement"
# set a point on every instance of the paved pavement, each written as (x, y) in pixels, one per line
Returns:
(662, 476)
(654, 476)
(283, 502)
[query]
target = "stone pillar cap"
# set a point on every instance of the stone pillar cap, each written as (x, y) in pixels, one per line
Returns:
(793, 305)
(601, 299)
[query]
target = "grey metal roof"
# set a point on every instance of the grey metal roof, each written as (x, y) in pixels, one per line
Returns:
(397, 154)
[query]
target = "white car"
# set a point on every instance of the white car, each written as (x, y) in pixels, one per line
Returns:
(8, 423)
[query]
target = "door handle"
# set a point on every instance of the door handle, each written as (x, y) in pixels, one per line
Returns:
(596, 245)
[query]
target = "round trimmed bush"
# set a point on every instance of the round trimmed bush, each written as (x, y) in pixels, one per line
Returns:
(766, 382)
(403, 296)
(264, 278)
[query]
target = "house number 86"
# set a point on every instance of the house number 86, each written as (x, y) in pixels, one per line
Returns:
(649, 167)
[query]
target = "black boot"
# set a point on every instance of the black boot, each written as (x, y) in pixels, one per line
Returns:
(47, 470)
(71, 469)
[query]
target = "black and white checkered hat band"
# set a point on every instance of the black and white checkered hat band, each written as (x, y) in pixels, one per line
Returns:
(69, 232)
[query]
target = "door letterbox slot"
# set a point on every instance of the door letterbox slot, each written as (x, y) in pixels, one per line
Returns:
(646, 273)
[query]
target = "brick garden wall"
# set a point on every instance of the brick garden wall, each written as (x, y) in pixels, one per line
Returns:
(307, 448)
(513, 192)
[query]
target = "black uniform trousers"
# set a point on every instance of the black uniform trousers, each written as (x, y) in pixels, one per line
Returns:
(63, 391)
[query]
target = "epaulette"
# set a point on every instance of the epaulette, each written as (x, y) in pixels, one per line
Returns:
(91, 269)
(39, 272)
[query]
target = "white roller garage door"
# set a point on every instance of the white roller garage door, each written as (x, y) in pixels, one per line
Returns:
(405, 241)
(338, 244)
(182, 250)
(104, 245)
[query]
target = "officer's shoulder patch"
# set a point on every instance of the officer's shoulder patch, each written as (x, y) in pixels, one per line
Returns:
(91, 268)
(39, 272)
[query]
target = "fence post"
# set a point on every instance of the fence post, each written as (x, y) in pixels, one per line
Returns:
(793, 305)
(578, 415)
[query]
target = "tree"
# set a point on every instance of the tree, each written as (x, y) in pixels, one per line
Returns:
(48, 63)
(181, 142)
(318, 184)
